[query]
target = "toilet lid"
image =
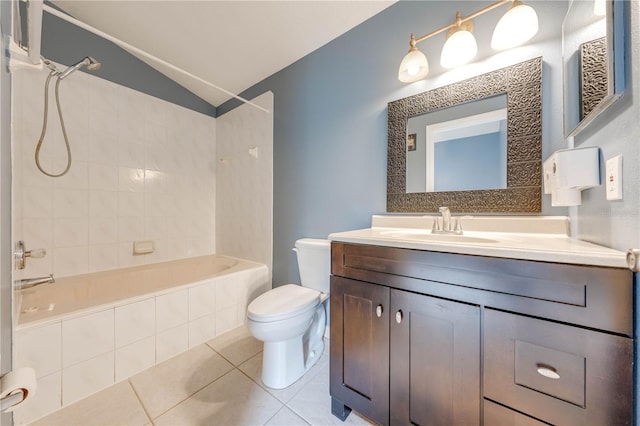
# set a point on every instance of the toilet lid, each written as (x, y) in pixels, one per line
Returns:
(282, 302)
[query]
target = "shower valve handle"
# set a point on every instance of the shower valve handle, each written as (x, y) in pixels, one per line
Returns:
(36, 253)
(21, 254)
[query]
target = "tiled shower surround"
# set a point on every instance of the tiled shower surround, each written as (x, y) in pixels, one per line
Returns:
(143, 169)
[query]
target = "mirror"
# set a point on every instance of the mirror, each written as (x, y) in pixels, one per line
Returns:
(463, 147)
(593, 68)
(521, 86)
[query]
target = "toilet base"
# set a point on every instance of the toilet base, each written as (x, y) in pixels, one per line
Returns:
(284, 362)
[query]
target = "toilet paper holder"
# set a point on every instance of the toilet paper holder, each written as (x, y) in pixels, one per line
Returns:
(11, 400)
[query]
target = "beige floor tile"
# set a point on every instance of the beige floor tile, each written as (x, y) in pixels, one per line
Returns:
(231, 400)
(237, 345)
(171, 382)
(253, 369)
(313, 403)
(286, 417)
(116, 405)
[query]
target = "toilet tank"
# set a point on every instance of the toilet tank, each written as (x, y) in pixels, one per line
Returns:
(314, 263)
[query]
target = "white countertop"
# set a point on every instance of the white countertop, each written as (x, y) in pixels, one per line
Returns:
(529, 244)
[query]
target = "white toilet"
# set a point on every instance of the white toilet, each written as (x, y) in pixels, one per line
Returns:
(291, 319)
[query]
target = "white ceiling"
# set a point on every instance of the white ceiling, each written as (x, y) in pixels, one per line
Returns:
(232, 44)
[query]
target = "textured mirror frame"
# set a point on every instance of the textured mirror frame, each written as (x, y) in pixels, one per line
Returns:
(522, 83)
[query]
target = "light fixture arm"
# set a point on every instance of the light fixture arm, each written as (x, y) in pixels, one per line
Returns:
(459, 21)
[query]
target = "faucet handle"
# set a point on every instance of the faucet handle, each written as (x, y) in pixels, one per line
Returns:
(458, 228)
(20, 254)
(443, 209)
(36, 253)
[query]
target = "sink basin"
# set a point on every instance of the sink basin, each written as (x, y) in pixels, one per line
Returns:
(445, 238)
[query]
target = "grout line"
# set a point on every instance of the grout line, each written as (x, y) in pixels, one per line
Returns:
(135, 392)
(191, 395)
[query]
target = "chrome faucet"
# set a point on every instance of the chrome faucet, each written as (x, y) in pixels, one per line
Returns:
(446, 227)
(32, 282)
(446, 218)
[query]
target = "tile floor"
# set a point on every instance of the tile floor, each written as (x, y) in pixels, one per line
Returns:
(217, 383)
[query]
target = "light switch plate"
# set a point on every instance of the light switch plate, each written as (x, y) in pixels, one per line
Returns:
(613, 178)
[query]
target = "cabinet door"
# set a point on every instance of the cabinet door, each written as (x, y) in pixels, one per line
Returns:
(359, 359)
(435, 361)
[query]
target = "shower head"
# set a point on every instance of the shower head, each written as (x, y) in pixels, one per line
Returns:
(88, 61)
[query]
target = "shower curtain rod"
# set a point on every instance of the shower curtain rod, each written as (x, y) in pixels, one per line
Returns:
(134, 49)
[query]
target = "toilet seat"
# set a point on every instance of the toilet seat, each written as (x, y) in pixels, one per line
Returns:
(283, 302)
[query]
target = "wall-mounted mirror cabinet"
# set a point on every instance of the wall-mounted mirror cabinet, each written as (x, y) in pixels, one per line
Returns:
(475, 145)
(593, 60)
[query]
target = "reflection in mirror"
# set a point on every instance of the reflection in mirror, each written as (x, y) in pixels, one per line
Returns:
(521, 86)
(463, 147)
(592, 60)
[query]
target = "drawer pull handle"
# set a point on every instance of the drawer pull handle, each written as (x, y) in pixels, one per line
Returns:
(399, 317)
(548, 372)
(379, 311)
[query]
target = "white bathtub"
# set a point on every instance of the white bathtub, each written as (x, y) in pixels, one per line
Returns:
(86, 332)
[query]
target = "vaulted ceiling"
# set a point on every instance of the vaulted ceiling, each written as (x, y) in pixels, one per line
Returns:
(231, 44)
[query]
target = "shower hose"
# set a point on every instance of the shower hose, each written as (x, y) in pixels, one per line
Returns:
(44, 126)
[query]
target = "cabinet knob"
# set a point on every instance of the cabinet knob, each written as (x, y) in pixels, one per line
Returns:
(399, 316)
(379, 311)
(548, 372)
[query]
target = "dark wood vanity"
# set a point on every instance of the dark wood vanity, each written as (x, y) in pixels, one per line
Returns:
(430, 338)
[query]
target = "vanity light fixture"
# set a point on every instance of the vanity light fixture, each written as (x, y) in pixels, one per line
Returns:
(461, 46)
(517, 26)
(599, 7)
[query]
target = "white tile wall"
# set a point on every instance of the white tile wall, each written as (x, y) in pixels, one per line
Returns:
(40, 348)
(142, 168)
(87, 377)
(135, 321)
(171, 342)
(87, 336)
(202, 298)
(244, 207)
(78, 356)
(133, 358)
(172, 310)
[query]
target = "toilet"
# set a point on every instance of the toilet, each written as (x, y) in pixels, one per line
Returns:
(291, 319)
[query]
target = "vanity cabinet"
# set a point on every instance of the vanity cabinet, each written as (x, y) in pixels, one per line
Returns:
(421, 337)
(405, 357)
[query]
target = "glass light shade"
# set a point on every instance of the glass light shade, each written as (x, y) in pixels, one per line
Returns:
(599, 7)
(460, 48)
(414, 66)
(517, 26)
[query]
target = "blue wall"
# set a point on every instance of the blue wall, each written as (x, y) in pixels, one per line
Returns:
(66, 44)
(476, 162)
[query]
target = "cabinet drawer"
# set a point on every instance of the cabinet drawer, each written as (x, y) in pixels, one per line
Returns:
(497, 415)
(558, 373)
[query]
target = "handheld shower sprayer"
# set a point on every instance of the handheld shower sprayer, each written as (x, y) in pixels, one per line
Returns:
(92, 65)
(88, 61)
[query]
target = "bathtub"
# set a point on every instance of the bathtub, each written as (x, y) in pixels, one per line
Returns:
(86, 332)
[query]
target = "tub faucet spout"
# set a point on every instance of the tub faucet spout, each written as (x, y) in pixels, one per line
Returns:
(32, 282)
